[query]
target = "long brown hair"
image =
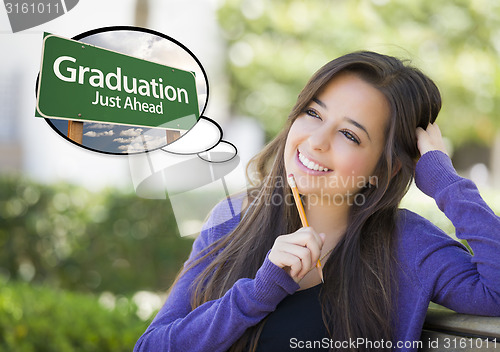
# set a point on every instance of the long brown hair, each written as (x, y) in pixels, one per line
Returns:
(358, 296)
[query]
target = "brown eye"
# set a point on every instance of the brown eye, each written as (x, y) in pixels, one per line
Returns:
(312, 113)
(350, 136)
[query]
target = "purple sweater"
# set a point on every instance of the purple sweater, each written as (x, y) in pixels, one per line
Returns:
(433, 267)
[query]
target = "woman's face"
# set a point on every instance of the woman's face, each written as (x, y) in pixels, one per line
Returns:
(333, 146)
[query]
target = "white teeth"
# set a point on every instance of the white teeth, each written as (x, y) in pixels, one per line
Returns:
(311, 164)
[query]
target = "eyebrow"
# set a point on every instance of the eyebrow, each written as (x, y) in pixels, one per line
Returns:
(348, 119)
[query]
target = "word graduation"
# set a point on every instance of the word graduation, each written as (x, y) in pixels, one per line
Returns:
(66, 70)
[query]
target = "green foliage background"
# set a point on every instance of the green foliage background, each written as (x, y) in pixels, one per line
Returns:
(67, 237)
(275, 46)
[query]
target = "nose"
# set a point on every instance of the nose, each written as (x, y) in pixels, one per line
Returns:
(320, 139)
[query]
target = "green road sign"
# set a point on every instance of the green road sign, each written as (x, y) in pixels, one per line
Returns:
(83, 82)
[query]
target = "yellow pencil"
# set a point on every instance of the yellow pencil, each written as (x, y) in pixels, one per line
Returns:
(302, 214)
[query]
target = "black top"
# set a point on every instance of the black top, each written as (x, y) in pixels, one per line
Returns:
(296, 324)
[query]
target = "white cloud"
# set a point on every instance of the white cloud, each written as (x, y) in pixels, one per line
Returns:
(137, 146)
(123, 140)
(131, 132)
(123, 147)
(155, 143)
(98, 134)
(99, 126)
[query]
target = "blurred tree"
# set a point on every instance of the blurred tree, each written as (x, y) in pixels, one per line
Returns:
(275, 46)
(68, 237)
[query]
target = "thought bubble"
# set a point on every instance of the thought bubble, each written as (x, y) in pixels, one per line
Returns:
(222, 152)
(186, 165)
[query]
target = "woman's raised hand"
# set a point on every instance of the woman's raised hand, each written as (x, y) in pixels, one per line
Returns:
(297, 252)
(430, 139)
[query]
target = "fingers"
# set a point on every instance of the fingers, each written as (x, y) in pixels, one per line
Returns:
(433, 131)
(297, 258)
(297, 252)
(304, 258)
(422, 140)
(430, 139)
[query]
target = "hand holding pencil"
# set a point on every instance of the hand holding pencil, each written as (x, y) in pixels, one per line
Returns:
(297, 253)
(302, 214)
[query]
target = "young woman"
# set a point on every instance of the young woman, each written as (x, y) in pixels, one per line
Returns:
(352, 142)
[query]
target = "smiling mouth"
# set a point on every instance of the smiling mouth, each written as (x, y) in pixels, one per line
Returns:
(311, 165)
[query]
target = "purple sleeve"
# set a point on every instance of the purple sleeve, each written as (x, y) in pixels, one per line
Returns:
(217, 324)
(453, 277)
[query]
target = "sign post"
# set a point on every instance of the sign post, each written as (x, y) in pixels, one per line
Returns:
(75, 131)
(172, 135)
